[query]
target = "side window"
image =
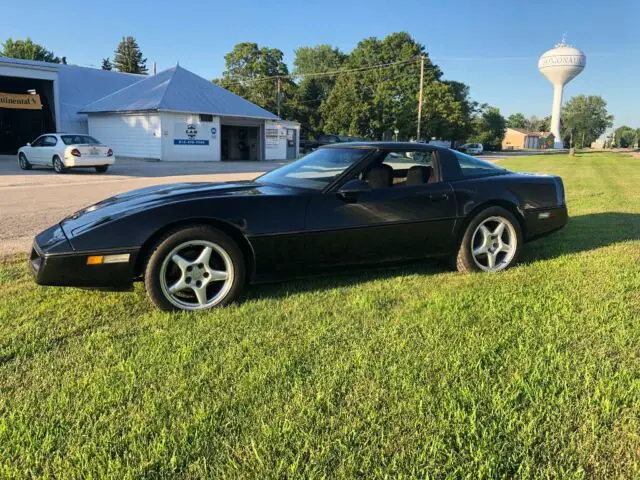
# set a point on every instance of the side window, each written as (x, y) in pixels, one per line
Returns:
(410, 168)
(474, 167)
(401, 169)
(50, 141)
(38, 142)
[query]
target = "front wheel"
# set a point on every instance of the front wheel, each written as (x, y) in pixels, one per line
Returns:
(58, 165)
(195, 268)
(23, 162)
(491, 242)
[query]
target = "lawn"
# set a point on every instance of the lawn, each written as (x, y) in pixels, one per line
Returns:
(414, 372)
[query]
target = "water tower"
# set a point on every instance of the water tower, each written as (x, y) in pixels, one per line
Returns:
(560, 65)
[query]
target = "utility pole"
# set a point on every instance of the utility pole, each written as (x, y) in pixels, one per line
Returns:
(420, 96)
(279, 96)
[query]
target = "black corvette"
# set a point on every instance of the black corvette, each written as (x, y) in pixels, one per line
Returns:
(196, 245)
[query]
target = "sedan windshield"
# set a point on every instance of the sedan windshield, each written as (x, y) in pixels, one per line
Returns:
(79, 140)
(317, 170)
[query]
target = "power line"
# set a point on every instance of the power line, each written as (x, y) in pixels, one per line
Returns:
(330, 73)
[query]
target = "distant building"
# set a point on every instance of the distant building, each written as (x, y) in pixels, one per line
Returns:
(177, 115)
(519, 139)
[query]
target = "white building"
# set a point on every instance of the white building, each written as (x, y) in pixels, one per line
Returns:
(179, 116)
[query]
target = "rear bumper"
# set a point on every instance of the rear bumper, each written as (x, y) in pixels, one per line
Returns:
(541, 222)
(59, 265)
(71, 162)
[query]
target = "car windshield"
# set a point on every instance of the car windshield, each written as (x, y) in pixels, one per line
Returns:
(79, 140)
(317, 170)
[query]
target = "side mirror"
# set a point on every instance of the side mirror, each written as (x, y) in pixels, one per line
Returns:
(28, 144)
(350, 190)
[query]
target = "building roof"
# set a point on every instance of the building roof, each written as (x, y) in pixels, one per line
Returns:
(79, 86)
(177, 90)
(529, 133)
(30, 63)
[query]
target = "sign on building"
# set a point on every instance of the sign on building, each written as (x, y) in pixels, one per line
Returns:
(20, 101)
(191, 134)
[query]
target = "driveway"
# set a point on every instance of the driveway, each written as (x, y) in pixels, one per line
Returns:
(33, 200)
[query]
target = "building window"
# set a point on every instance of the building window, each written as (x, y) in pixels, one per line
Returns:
(205, 117)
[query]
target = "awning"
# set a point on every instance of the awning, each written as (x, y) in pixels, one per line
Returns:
(20, 101)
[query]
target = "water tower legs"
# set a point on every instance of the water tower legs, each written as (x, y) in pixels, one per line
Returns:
(555, 115)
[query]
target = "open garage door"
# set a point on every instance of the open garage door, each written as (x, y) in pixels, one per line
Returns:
(240, 142)
(26, 111)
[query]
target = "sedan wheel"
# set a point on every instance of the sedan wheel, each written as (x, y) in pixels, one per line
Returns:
(195, 269)
(491, 242)
(23, 162)
(58, 165)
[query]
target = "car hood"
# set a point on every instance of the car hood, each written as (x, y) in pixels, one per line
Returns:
(150, 197)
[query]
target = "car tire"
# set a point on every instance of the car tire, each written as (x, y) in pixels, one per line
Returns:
(491, 242)
(58, 165)
(102, 168)
(178, 276)
(23, 162)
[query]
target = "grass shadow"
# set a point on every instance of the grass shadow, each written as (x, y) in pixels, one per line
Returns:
(584, 233)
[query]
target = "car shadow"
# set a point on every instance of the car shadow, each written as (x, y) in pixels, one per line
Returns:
(583, 233)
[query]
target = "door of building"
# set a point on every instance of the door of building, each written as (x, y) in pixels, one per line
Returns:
(292, 150)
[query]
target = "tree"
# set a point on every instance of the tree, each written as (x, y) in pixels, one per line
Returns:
(540, 124)
(587, 116)
(106, 64)
(27, 50)
(314, 90)
(128, 57)
(256, 73)
(488, 128)
(518, 120)
(370, 102)
(445, 114)
(626, 137)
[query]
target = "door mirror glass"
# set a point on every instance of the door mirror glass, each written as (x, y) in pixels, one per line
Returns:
(352, 188)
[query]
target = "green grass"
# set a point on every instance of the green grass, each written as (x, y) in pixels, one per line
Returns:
(531, 373)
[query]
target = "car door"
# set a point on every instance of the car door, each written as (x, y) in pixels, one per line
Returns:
(33, 152)
(48, 149)
(400, 219)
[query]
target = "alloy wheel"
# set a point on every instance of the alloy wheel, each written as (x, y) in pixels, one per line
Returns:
(197, 274)
(494, 244)
(58, 166)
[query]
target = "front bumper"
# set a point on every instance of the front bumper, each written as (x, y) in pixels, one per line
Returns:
(53, 262)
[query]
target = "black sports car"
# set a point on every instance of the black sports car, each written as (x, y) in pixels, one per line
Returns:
(196, 245)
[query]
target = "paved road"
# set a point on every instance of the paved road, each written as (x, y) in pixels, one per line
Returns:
(33, 200)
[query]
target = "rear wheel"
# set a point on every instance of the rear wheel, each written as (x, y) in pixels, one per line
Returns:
(102, 168)
(491, 242)
(23, 162)
(195, 268)
(58, 165)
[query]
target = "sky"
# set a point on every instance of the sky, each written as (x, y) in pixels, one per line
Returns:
(491, 45)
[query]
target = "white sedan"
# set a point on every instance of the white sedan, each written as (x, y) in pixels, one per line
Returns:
(66, 150)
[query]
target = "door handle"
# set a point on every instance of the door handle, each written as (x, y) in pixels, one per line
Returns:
(438, 197)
